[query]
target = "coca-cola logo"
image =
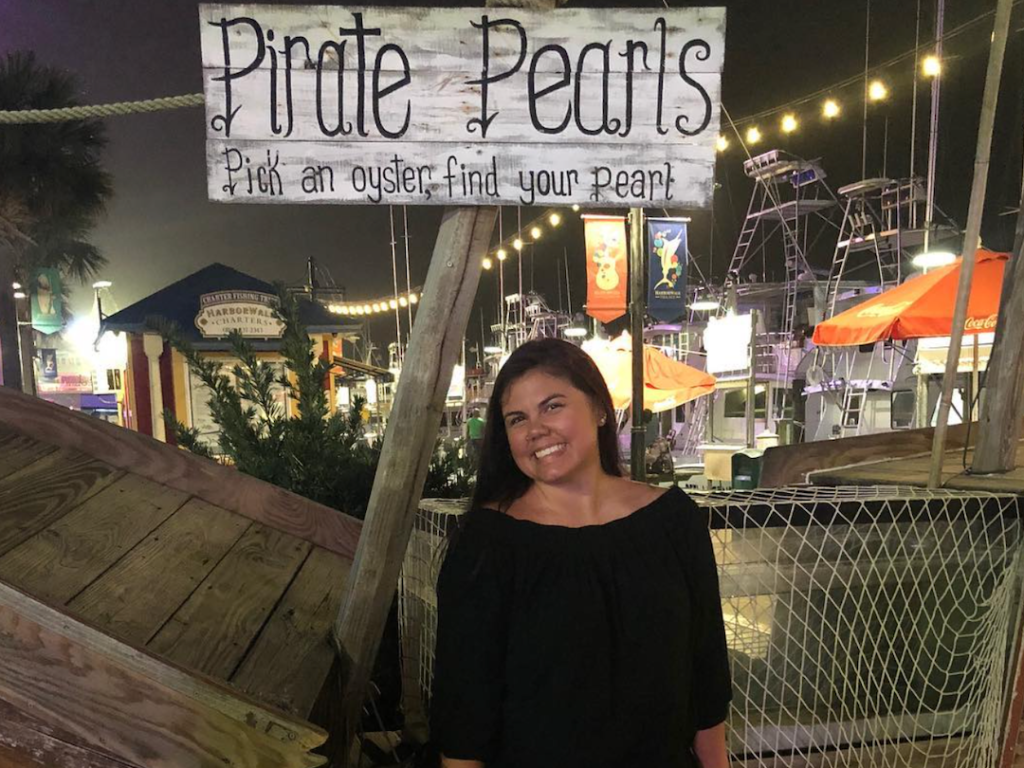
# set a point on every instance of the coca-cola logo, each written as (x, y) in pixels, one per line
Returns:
(884, 310)
(980, 323)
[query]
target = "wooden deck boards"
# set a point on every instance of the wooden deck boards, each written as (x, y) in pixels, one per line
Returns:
(215, 627)
(42, 492)
(141, 592)
(17, 451)
(914, 471)
(293, 654)
(64, 558)
(205, 588)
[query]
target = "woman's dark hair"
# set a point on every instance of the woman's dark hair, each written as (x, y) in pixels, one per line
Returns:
(498, 479)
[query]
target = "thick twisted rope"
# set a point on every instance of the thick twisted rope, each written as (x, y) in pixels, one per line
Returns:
(30, 116)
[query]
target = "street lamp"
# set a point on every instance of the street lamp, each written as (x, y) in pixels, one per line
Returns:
(98, 286)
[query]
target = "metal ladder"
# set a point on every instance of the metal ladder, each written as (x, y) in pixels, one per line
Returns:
(696, 426)
(852, 395)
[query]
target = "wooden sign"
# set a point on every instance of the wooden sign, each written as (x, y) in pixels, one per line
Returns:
(462, 106)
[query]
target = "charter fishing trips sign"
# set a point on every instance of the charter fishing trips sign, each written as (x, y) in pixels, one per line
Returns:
(461, 106)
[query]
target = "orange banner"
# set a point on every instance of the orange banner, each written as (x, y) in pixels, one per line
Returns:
(607, 266)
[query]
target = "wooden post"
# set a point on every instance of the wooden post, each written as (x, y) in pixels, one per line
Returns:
(999, 425)
(971, 236)
(10, 359)
(637, 454)
(434, 348)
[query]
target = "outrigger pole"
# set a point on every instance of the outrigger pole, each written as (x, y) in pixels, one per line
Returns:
(972, 234)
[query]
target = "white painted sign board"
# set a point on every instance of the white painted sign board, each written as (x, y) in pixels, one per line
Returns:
(462, 106)
(249, 312)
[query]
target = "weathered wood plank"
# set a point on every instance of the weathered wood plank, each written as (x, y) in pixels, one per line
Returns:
(136, 707)
(135, 597)
(26, 742)
(221, 486)
(17, 451)
(213, 630)
(618, 176)
(914, 471)
(436, 339)
(47, 489)
(789, 464)
(292, 656)
(61, 560)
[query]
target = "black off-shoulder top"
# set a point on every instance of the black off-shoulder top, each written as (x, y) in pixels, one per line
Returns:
(593, 647)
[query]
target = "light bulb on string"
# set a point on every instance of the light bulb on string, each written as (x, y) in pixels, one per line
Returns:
(536, 232)
(393, 304)
(753, 135)
(877, 91)
(403, 302)
(789, 123)
(830, 109)
(721, 144)
(502, 254)
(487, 263)
(575, 207)
(517, 244)
(413, 298)
(555, 219)
(931, 66)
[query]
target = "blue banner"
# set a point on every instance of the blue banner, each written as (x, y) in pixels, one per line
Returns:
(666, 282)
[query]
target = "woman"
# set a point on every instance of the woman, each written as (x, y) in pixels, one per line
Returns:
(579, 622)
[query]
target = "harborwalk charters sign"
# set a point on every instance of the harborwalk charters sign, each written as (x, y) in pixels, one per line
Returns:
(462, 106)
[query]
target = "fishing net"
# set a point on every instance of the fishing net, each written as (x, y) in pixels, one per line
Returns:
(866, 626)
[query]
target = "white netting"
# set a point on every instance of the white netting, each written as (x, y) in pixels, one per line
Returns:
(870, 626)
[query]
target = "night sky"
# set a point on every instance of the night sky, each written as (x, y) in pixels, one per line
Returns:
(160, 226)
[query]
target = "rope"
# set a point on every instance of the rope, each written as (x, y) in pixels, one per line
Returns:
(34, 116)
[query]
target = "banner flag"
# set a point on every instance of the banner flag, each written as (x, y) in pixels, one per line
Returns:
(47, 310)
(607, 276)
(666, 282)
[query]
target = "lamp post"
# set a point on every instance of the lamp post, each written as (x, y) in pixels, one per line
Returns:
(98, 286)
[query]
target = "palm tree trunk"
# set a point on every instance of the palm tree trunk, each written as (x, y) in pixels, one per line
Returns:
(10, 360)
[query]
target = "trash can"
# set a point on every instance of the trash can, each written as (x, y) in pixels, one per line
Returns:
(746, 469)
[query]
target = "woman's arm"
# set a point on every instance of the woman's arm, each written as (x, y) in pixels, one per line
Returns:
(709, 746)
(448, 762)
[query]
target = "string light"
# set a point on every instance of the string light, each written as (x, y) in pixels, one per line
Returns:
(487, 263)
(403, 302)
(502, 254)
(830, 109)
(753, 135)
(555, 219)
(931, 66)
(413, 298)
(517, 244)
(575, 207)
(721, 144)
(877, 91)
(536, 232)
(393, 304)
(789, 123)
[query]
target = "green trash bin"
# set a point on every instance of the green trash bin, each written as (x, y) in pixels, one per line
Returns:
(746, 469)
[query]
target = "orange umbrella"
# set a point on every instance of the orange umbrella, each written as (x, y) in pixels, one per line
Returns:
(921, 307)
(667, 382)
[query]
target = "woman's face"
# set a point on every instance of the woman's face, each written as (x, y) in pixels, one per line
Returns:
(551, 426)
